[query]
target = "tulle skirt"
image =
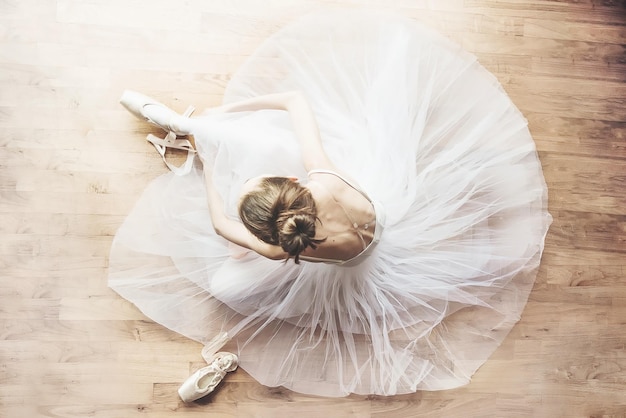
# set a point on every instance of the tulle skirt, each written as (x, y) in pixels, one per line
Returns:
(425, 130)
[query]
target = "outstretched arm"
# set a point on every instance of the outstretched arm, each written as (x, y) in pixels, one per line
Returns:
(232, 230)
(303, 121)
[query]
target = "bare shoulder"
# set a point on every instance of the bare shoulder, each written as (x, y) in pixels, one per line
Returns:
(333, 179)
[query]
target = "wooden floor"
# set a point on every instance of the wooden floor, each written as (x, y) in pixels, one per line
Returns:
(72, 163)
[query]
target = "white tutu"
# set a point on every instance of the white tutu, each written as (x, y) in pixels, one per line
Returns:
(426, 131)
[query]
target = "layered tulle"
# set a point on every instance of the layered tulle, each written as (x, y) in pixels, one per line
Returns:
(426, 131)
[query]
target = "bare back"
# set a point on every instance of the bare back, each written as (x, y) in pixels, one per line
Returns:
(347, 218)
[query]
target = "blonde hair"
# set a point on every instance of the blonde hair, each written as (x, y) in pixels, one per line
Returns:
(281, 212)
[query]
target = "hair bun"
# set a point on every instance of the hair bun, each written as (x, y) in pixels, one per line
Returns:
(281, 212)
(296, 232)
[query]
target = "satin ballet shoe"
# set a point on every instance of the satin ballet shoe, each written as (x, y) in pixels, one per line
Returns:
(205, 380)
(148, 109)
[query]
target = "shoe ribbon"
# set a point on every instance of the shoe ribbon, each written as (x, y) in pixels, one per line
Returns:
(171, 141)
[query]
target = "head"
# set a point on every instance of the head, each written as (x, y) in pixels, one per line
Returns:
(280, 211)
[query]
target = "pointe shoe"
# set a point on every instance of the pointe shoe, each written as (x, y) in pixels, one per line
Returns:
(205, 380)
(148, 109)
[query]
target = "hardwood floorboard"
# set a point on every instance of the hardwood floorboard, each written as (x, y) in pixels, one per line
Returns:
(593, 231)
(597, 11)
(578, 137)
(73, 163)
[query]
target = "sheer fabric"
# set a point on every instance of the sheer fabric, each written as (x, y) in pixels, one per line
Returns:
(425, 130)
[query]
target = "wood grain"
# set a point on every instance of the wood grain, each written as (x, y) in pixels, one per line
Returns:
(72, 163)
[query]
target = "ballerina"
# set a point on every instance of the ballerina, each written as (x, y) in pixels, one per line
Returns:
(367, 215)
